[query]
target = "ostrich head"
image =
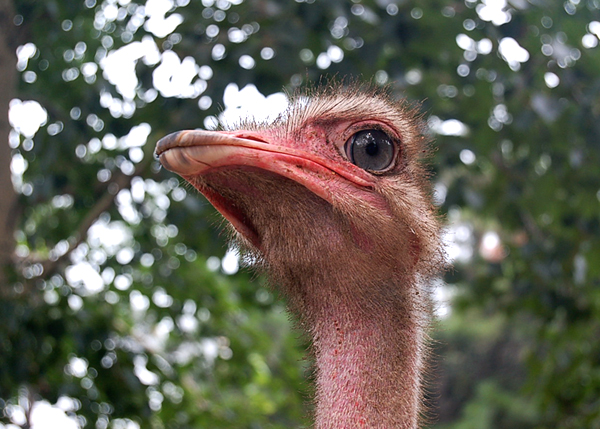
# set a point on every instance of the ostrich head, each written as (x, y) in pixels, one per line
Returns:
(333, 200)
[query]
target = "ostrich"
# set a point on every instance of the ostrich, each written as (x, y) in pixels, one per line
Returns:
(333, 200)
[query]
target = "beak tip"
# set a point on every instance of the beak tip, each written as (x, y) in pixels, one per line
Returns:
(167, 142)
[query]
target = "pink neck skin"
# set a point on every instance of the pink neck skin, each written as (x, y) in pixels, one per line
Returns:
(368, 361)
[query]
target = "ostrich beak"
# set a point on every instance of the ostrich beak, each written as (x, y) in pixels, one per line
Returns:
(194, 153)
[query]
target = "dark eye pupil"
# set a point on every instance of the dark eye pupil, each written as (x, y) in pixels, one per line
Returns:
(372, 150)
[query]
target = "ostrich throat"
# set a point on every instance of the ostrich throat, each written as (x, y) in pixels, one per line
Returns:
(365, 325)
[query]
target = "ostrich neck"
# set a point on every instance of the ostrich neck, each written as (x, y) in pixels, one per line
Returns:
(368, 354)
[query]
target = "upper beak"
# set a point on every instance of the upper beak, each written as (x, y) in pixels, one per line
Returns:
(195, 152)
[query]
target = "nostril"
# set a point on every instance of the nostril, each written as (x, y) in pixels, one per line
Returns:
(253, 137)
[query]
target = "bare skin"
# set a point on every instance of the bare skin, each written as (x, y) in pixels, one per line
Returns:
(349, 239)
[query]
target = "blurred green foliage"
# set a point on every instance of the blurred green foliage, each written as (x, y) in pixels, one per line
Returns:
(171, 340)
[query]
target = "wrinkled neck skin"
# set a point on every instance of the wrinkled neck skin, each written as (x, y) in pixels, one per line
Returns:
(368, 353)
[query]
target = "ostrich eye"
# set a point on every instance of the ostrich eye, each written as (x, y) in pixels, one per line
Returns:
(371, 150)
